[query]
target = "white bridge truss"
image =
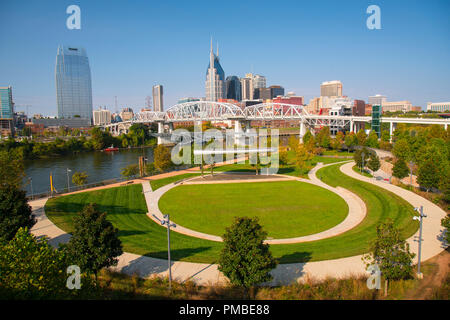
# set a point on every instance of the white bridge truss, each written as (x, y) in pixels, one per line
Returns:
(221, 111)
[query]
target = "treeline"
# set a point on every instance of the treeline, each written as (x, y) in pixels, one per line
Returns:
(427, 149)
(139, 135)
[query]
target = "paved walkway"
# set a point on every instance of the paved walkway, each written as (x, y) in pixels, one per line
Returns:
(205, 274)
(356, 214)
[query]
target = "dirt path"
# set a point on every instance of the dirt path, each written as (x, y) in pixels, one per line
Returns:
(433, 280)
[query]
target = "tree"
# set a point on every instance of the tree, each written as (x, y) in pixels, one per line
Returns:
(150, 168)
(15, 213)
(308, 135)
(323, 137)
(401, 149)
(301, 156)
(293, 142)
(350, 140)
(95, 243)
(79, 178)
(245, 259)
(358, 157)
(31, 268)
(429, 174)
(374, 162)
(337, 142)
(162, 158)
(445, 222)
(372, 140)
(361, 137)
(11, 168)
(283, 157)
(400, 169)
(129, 171)
(390, 253)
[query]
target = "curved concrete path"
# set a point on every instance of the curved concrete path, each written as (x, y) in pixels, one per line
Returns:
(356, 214)
(205, 274)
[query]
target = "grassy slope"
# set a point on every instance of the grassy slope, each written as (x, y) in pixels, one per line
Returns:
(285, 209)
(127, 210)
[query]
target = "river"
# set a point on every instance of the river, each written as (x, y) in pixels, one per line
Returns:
(98, 165)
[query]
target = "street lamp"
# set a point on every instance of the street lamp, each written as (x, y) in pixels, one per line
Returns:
(420, 219)
(362, 162)
(410, 172)
(31, 186)
(68, 184)
(168, 224)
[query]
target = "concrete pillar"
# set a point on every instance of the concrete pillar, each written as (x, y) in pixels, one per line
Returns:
(351, 126)
(302, 130)
(445, 126)
(160, 130)
(170, 127)
(238, 137)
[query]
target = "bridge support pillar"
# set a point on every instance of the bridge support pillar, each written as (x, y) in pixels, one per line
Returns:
(239, 138)
(302, 130)
(391, 130)
(351, 126)
(160, 130)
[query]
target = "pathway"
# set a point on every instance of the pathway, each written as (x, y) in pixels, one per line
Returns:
(205, 274)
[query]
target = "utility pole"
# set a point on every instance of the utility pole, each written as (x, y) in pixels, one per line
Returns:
(168, 224)
(419, 218)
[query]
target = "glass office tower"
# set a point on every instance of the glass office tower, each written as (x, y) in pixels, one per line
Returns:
(233, 88)
(73, 83)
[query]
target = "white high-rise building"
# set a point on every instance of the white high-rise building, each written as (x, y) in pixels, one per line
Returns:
(101, 117)
(377, 100)
(331, 89)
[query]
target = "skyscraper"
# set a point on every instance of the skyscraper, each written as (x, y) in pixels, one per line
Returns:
(233, 86)
(276, 91)
(6, 111)
(331, 89)
(246, 89)
(377, 100)
(73, 83)
(158, 98)
(215, 78)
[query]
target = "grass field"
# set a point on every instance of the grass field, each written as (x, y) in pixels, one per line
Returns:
(126, 209)
(285, 208)
(156, 184)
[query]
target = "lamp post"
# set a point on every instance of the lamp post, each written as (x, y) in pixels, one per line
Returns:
(31, 186)
(68, 184)
(420, 219)
(362, 162)
(168, 224)
(410, 172)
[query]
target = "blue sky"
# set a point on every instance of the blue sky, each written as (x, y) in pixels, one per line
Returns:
(133, 45)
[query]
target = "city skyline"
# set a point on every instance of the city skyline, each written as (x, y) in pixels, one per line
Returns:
(405, 60)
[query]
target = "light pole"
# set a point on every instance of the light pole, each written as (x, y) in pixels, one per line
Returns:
(168, 224)
(419, 218)
(410, 172)
(362, 162)
(68, 184)
(31, 186)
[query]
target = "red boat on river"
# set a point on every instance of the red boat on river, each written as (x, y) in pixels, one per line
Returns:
(112, 148)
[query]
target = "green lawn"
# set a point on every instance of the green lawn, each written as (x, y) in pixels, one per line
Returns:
(156, 184)
(365, 173)
(126, 209)
(285, 209)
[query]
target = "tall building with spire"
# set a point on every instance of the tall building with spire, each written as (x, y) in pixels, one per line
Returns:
(215, 78)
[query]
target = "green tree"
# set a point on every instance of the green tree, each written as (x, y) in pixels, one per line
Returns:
(293, 142)
(11, 168)
(445, 222)
(150, 169)
(391, 253)
(361, 137)
(429, 174)
(162, 158)
(79, 178)
(15, 213)
(350, 140)
(95, 243)
(283, 157)
(400, 169)
(302, 155)
(245, 259)
(31, 269)
(372, 140)
(401, 149)
(336, 142)
(374, 162)
(308, 135)
(323, 137)
(130, 171)
(358, 156)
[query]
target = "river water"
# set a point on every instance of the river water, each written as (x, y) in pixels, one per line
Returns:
(98, 165)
